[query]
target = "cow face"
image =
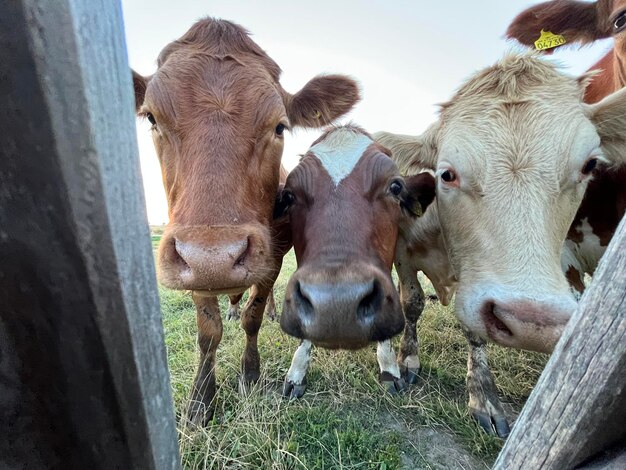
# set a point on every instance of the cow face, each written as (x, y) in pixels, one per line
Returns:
(218, 115)
(513, 153)
(344, 201)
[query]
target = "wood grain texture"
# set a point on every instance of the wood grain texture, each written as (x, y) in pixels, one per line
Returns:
(83, 375)
(578, 408)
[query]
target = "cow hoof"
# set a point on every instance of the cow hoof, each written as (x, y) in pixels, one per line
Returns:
(232, 316)
(247, 380)
(393, 385)
(493, 425)
(411, 375)
(199, 415)
(292, 390)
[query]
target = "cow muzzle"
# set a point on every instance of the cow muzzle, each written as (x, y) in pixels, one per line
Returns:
(516, 321)
(346, 310)
(214, 260)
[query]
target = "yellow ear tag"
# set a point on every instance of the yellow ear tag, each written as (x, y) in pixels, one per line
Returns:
(317, 114)
(547, 40)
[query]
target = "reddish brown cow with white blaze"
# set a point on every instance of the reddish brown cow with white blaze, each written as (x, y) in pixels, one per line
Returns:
(605, 200)
(344, 202)
(218, 115)
(513, 152)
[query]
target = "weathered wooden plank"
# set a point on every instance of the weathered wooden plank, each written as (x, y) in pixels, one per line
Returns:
(83, 375)
(578, 407)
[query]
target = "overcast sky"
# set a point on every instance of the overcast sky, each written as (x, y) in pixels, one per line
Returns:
(407, 55)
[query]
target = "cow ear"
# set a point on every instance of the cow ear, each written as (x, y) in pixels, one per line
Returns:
(609, 117)
(411, 153)
(578, 22)
(140, 83)
(322, 100)
(418, 193)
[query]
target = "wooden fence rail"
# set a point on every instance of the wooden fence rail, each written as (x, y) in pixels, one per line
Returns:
(83, 375)
(576, 415)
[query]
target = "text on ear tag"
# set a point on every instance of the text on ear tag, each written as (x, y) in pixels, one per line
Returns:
(547, 40)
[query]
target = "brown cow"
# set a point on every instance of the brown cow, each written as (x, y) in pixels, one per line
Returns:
(218, 115)
(583, 23)
(345, 200)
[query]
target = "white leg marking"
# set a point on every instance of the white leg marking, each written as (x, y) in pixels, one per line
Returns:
(387, 358)
(300, 363)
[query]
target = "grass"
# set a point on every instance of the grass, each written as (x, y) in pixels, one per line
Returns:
(345, 419)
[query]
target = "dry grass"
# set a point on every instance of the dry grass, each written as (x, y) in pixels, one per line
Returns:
(345, 419)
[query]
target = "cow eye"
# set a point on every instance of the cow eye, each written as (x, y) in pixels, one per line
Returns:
(288, 198)
(620, 22)
(448, 176)
(151, 119)
(395, 188)
(280, 128)
(589, 166)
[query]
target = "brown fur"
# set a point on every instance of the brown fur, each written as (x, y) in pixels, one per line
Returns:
(346, 234)
(579, 22)
(217, 102)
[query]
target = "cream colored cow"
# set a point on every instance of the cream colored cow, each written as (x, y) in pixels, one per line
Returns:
(513, 152)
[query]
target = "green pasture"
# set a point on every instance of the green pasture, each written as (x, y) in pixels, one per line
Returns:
(345, 419)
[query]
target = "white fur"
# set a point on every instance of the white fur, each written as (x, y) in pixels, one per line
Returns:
(590, 250)
(300, 363)
(387, 358)
(340, 152)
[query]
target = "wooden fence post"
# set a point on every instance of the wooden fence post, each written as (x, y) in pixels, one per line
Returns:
(83, 375)
(577, 412)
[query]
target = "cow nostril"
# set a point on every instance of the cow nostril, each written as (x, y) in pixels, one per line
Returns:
(241, 259)
(371, 301)
(175, 253)
(490, 317)
(303, 303)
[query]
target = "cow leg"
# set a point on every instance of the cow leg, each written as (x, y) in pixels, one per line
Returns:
(412, 301)
(295, 382)
(233, 308)
(484, 404)
(251, 319)
(270, 307)
(209, 336)
(389, 370)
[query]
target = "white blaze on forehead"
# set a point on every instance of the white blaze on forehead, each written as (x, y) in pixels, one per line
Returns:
(340, 151)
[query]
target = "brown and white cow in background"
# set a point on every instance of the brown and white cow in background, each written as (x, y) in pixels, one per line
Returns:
(604, 203)
(344, 202)
(513, 152)
(218, 115)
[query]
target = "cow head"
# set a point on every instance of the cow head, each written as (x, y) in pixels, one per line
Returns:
(344, 201)
(513, 152)
(218, 115)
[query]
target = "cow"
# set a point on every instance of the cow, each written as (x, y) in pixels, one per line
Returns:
(219, 114)
(582, 23)
(344, 201)
(513, 152)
